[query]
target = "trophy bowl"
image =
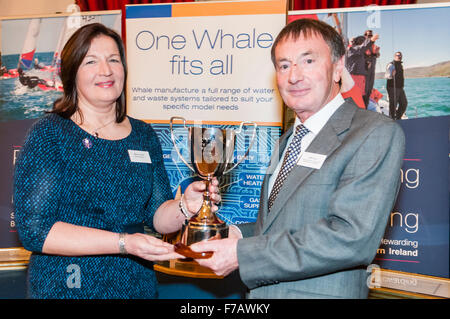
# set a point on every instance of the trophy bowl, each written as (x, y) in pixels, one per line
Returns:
(211, 155)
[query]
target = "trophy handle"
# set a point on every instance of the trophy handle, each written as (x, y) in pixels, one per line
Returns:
(239, 131)
(173, 139)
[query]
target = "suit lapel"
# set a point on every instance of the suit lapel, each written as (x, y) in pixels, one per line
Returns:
(326, 142)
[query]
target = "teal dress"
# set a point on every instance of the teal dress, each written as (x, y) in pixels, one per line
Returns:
(65, 174)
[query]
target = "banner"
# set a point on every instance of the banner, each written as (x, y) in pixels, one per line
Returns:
(417, 232)
(417, 238)
(12, 134)
(208, 62)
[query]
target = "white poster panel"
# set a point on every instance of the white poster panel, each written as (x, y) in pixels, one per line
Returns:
(209, 68)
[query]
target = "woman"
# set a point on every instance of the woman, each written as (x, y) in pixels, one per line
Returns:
(89, 178)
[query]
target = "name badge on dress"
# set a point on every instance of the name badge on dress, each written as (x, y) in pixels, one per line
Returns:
(139, 156)
(312, 160)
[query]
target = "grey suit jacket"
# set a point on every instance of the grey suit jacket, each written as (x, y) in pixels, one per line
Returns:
(326, 224)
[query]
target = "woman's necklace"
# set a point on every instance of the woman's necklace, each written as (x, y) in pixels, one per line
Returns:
(99, 128)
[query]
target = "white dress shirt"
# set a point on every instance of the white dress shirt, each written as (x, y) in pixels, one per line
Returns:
(314, 124)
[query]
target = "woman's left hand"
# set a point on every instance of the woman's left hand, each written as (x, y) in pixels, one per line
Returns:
(193, 195)
(149, 247)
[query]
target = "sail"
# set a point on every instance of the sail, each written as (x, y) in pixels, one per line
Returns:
(56, 61)
(29, 46)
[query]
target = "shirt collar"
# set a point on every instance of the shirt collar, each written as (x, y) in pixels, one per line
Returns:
(318, 120)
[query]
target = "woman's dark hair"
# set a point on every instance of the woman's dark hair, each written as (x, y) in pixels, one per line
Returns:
(307, 27)
(72, 56)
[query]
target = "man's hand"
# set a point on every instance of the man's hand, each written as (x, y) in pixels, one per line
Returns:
(224, 259)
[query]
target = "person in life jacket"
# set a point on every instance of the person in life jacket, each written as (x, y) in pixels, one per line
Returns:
(38, 65)
(355, 60)
(29, 81)
(394, 85)
(3, 69)
(370, 56)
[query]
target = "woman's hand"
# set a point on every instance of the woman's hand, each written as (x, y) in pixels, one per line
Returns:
(169, 218)
(149, 247)
(193, 196)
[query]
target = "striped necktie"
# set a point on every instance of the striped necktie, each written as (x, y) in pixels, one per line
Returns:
(289, 161)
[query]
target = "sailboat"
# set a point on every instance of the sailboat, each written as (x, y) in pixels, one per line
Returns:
(28, 49)
(26, 58)
(29, 45)
(8, 74)
(56, 61)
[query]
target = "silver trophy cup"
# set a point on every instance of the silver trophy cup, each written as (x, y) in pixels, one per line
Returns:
(211, 155)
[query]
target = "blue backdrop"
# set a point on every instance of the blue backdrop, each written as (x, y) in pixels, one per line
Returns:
(417, 233)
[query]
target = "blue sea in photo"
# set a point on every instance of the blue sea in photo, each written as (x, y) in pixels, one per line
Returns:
(18, 102)
(426, 96)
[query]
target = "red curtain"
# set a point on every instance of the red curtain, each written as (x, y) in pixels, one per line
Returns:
(99, 5)
(324, 4)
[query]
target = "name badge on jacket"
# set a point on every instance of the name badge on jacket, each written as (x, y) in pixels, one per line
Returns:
(312, 160)
(139, 156)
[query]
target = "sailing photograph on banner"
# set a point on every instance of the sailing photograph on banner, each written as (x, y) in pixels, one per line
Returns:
(30, 61)
(405, 56)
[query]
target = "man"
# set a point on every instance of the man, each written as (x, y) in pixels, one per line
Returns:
(394, 86)
(326, 222)
(356, 62)
(371, 56)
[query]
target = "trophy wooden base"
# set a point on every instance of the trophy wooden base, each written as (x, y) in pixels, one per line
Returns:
(14, 258)
(186, 251)
(184, 268)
